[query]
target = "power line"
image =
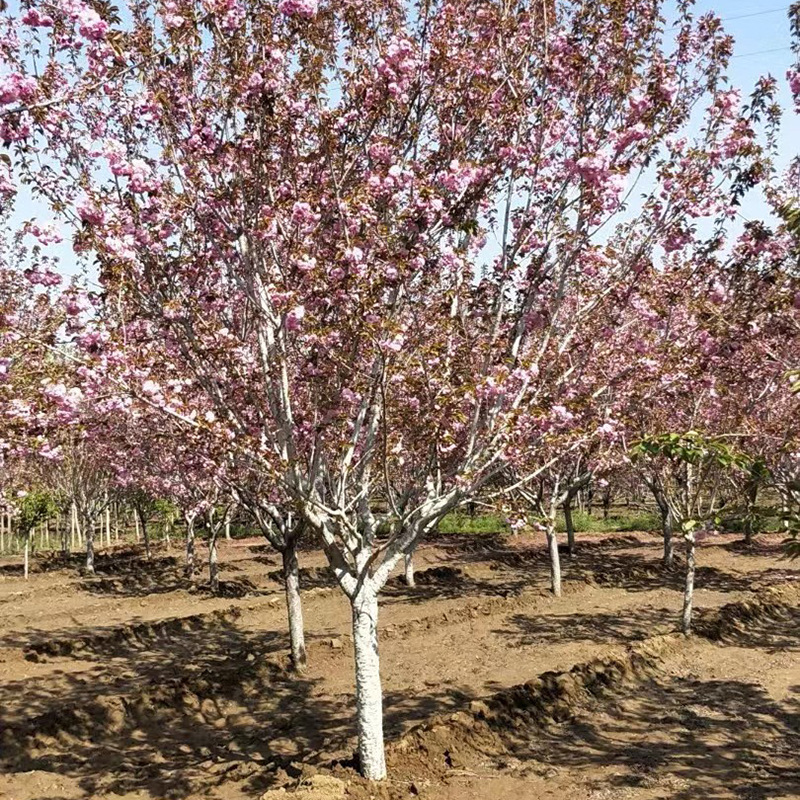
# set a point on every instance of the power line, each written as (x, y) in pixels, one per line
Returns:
(755, 14)
(761, 52)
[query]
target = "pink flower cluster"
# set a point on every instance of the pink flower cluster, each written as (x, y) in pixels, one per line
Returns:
(16, 88)
(36, 19)
(298, 8)
(398, 66)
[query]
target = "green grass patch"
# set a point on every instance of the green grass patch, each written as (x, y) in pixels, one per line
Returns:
(615, 522)
(480, 523)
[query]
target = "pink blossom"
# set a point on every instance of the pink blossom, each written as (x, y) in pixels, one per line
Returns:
(36, 19)
(89, 212)
(16, 88)
(298, 8)
(295, 317)
(90, 25)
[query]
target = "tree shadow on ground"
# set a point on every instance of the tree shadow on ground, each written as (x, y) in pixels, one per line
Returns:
(779, 633)
(179, 714)
(711, 739)
(601, 628)
(631, 572)
(444, 583)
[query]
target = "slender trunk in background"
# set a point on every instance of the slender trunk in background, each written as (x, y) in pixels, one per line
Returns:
(369, 695)
(555, 559)
(786, 514)
(409, 570)
(569, 525)
(136, 523)
(89, 546)
(688, 591)
(2, 533)
(190, 549)
(167, 530)
(64, 534)
(291, 578)
(145, 533)
(213, 565)
(228, 529)
(666, 532)
(27, 554)
(74, 527)
(750, 520)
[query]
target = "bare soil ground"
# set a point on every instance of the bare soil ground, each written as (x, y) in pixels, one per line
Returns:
(137, 683)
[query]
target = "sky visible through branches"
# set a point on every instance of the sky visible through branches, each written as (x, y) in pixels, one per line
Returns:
(761, 32)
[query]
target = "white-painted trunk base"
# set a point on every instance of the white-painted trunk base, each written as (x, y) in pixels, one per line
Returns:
(688, 591)
(409, 570)
(294, 609)
(369, 695)
(555, 562)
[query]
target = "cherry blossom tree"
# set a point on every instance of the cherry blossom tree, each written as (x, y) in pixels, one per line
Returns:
(357, 237)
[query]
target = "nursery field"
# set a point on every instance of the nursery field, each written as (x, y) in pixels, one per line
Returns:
(138, 683)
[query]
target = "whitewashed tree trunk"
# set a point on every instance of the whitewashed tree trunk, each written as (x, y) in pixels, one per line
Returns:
(27, 554)
(90, 548)
(297, 641)
(666, 532)
(555, 560)
(570, 526)
(213, 564)
(409, 570)
(688, 591)
(145, 534)
(228, 529)
(190, 548)
(369, 696)
(63, 535)
(74, 533)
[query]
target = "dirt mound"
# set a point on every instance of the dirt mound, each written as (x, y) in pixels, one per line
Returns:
(233, 589)
(309, 576)
(199, 693)
(127, 636)
(435, 576)
(489, 727)
(733, 619)
(317, 787)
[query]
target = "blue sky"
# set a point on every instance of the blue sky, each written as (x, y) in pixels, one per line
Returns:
(758, 26)
(761, 30)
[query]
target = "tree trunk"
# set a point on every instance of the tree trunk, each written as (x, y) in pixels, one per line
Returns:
(688, 592)
(569, 525)
(64, 533)
(228, 529)
(666, 531)
(749, 523)
(190, 550)
(369, 696)
(75, 535)
(145, 534)
(89, 548)
(409, 570)
(294, 607)
(27, 555)
(213, 565)
(555, 560)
